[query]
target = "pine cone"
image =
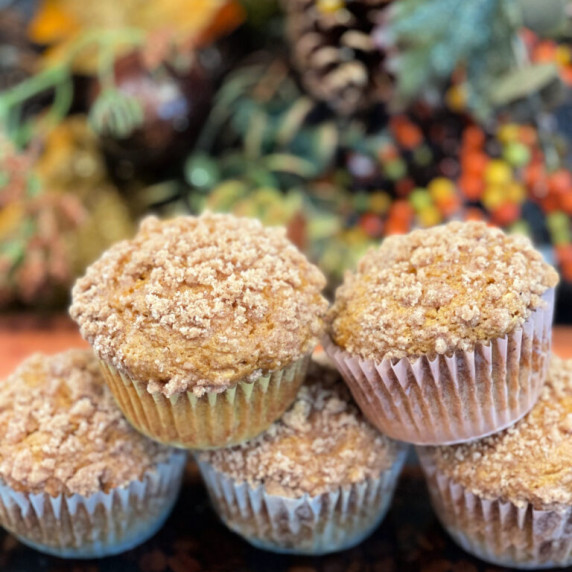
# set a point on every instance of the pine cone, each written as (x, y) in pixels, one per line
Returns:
(335, 54)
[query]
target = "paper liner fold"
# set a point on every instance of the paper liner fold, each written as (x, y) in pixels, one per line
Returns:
(99, 525)
(307, 525)
(501, 533)
(213, 420)
(453, 398)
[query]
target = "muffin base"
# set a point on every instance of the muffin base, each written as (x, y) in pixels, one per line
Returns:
(317, 525)
(213, 420)
(498, 532)
(456, 398)
(99, 525)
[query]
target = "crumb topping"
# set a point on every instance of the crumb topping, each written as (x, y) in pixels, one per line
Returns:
(321, 443)
(62, 432)
(530, 461)
(201, 303)
(439, 290)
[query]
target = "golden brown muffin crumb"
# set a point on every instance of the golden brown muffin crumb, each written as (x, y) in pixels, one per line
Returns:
(62, 432)
(438, 290)
(320, 444)
(529, 462)
(200, 303)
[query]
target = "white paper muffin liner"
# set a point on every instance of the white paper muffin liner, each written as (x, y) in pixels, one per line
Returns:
(498, 532)
(453, 398)
(306, 525)
(98, 525)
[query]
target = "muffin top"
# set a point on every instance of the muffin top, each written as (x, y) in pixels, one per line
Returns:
(527, 463)
(322, 442)
(200, 303)
(438, 290)
(62, 432)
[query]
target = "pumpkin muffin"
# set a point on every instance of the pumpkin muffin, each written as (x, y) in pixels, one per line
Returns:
(319, 480)
(75, 479)
(203, 326)
(444, 334)
(508, 498)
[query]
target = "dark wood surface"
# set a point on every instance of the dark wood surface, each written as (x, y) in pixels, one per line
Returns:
(193, 540)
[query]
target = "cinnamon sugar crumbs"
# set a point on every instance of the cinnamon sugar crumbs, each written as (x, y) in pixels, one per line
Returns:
(200, 303)
(438, 290)
(527, 463)
(322, 443)
(62, 432)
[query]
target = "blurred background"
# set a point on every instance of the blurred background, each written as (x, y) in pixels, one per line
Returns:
(344, 120)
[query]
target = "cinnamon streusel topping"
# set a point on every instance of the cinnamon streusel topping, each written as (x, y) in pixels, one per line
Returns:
(200, 303)
(62, 432)
(438, 290)
(321, 443)
(527, 463)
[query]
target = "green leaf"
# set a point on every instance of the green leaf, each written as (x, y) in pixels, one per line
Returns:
(545, 17)
(326, 141)
(14, 250)
(289, 164)
(260, 12)
(292, 121)
(253, 142)
(116, 114)
(523, 82)
(163, 192)
(437, 37)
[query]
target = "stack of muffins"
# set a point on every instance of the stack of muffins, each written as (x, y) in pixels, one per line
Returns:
(444, 338)
(203, 329)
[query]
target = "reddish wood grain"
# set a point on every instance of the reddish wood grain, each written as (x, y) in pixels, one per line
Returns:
(22, 335)
(562, 341)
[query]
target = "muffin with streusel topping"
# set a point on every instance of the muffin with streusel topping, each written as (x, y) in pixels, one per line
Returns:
(319, 480)
(203, 326)
(508, 498)
(76, 480)
(443, 334)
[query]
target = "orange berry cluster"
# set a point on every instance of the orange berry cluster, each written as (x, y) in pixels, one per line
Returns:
(501, 177)
(550, 51)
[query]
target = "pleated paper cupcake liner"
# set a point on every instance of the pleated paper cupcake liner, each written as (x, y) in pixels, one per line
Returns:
(307, 525)
(456, 398)
(213, 420)
(498, 532)
(99, 525)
